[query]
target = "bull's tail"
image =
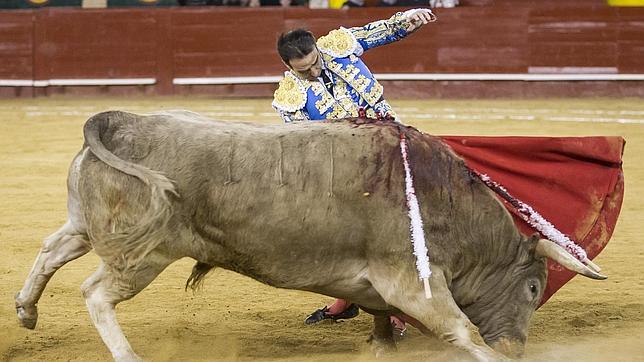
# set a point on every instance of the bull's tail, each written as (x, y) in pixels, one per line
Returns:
(160, 185)
(124, 250)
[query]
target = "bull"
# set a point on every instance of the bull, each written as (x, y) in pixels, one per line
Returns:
(318, 207)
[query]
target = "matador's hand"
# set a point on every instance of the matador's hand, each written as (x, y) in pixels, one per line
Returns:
(418, 17)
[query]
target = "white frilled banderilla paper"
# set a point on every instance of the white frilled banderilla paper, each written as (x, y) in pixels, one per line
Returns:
(416, 222)
(539, 223)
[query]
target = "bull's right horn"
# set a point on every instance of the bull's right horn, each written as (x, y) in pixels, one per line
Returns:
(555, 252)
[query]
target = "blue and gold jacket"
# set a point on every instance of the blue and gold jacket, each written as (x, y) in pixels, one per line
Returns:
(354, 87)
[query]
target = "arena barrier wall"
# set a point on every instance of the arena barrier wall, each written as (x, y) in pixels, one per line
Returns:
(520, 49)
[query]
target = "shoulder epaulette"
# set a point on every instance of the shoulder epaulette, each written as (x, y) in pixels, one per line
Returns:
(290, 95)
(338, 43)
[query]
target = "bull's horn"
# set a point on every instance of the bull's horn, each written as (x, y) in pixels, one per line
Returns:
(591, 265)
(555, 252)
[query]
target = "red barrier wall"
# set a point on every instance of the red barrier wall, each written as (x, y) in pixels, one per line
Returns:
(16, 37)
(95, 44)
(167, 43)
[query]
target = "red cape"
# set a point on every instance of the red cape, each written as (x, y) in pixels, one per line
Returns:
(576, 183)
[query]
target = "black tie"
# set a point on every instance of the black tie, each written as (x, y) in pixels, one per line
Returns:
(327, 82)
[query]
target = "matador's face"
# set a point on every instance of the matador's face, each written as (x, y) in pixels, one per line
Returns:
(309, 66)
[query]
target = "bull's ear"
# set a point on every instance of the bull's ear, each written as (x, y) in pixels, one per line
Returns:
(532, 241)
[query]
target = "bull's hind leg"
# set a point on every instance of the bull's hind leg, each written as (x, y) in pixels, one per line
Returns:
(59, 248)
(106, 288)
(440, 314)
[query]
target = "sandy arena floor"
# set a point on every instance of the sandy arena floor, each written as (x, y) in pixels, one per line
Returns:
(237, 319)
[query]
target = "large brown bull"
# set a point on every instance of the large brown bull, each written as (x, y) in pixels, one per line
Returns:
(318, 207)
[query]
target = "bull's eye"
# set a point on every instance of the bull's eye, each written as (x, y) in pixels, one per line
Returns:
(533, 290)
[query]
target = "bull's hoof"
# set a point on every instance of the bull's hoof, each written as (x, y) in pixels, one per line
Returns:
(399, 334)
(381, 347)
(129, 357)
(28, 315)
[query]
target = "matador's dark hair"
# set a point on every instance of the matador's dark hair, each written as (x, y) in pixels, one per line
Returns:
(295, 44)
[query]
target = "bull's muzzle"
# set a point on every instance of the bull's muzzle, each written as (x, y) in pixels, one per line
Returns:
(512, 348)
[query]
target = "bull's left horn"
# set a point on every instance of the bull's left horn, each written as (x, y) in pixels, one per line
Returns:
(555, 252)
(591, 265)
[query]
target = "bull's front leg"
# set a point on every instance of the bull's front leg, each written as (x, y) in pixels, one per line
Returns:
(440, 314)
(382, 339)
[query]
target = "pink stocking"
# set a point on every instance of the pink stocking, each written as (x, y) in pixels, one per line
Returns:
(339, 306)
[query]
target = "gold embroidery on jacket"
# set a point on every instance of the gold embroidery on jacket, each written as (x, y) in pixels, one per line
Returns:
(340, 89)
(361, 84)
(350, 106)
(338, 43)
(374, 94)
(325, 101)
(290, 95)
(337, 112)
